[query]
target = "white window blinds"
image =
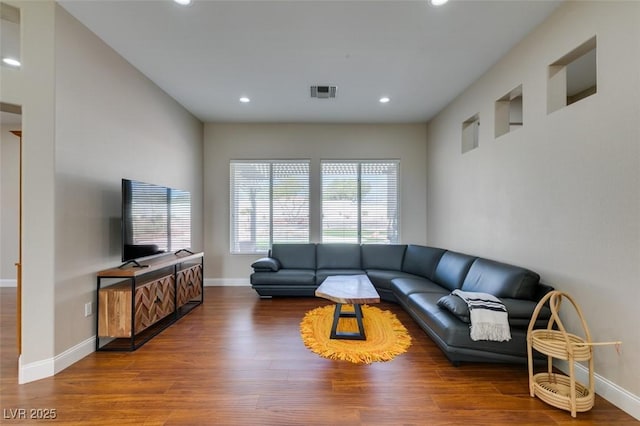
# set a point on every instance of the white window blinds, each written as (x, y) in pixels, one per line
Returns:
(269, 204)
(360, 201)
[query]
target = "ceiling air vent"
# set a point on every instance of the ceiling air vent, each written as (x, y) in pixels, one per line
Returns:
(323, 92)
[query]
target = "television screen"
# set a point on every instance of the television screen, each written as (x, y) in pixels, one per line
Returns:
(155, 219)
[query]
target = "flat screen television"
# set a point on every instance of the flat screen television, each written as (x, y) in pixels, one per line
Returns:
(155, 219)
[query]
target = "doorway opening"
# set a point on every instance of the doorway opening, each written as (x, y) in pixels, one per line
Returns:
(11, 207)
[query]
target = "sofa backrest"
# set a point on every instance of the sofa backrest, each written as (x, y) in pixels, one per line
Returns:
(338, 256)
(383, 256)
(452, 269)
(501, 280)
(421, 260)
(295, 256)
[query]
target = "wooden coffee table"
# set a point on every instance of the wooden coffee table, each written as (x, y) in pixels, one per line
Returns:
(348, 289)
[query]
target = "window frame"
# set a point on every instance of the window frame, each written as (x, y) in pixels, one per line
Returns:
(234, 246)
(359, 163)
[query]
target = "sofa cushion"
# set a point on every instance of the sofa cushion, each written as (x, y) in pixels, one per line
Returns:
(520, 312)
(456, 306)
(285, 276)
(452, 269)
(383, 256)
(416, 285)
(266, 264)
(382, 278)
(338, 256)
(322, 274)
(501, 280)
(421, 260)
(455, 333)
(403, 287)
(295, 256)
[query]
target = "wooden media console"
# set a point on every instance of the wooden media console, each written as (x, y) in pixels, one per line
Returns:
(139, 301)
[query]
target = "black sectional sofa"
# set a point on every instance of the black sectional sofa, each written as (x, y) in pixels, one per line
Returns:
(421, 280)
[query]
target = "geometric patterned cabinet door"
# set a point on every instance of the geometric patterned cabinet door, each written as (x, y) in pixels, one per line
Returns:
(189, 284)
(154, 301)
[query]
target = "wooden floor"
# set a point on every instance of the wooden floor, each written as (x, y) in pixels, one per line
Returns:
(239, 360)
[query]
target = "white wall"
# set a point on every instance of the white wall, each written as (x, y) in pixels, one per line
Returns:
(32, 87)
(111, 122)
(224, 142)
(89, 119)
(9, 199)
(560, 195)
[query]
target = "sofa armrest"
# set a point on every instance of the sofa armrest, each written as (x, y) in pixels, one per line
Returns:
(266, 264)
(541, 290)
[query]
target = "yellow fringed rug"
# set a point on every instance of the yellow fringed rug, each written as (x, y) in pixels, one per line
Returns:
(386, 336)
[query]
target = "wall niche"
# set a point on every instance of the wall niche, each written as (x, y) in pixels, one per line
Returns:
(470, 133)
(508, 114)
(572, 77)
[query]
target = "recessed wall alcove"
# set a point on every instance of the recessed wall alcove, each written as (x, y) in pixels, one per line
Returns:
(508, 112)
(572, 77)
(470, 133)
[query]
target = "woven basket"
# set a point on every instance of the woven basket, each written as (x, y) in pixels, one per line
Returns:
(555, 390)
(555, 343)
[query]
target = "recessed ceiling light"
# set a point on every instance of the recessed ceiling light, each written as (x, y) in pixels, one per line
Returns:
(245, 100)
(12, 62)
(438, 2)
(384, 99)
(183, 2)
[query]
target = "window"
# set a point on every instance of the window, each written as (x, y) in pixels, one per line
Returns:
(269, 204)
(360, 201)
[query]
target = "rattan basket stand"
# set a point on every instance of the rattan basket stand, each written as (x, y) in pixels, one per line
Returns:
(559, 390)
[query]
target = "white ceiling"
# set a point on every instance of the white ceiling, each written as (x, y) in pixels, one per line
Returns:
(210, 53)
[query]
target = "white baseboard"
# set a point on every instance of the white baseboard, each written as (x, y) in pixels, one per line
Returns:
(8, 283)
(74, 354)
(34, 370)
(48, 367)
(226, 282)
(621, 398)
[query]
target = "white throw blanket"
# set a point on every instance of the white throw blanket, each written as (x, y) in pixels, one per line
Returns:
(489, 318)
